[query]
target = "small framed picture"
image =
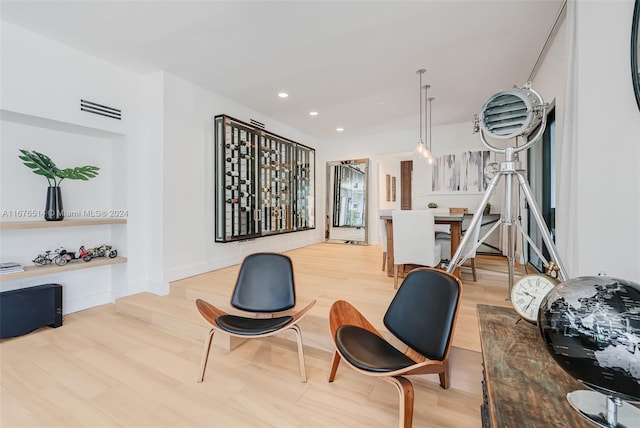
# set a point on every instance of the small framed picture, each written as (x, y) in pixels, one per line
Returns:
(388, 187)
(393, 189)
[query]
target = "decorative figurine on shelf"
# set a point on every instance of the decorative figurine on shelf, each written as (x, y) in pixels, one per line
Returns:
(104, 251)
(101, 251)
(58, 257)
(84, 254)
(41, 164)
(432, 205)
(65, 256)
(45, 258)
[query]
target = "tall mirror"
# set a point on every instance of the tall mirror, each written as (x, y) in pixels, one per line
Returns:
(635, 51)
(347, 196)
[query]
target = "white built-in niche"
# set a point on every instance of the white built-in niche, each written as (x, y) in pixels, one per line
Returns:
(95, 210)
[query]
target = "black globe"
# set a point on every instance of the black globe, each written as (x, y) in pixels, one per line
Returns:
(591, 327)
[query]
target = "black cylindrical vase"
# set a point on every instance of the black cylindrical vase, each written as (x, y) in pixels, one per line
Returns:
(53, 210)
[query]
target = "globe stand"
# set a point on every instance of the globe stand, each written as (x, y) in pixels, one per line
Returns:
(519, 100)
(604, 411)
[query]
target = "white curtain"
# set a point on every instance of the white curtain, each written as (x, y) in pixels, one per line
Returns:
(566, 211)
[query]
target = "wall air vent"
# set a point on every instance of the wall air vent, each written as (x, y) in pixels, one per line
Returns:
(256, 123)
(102, 110)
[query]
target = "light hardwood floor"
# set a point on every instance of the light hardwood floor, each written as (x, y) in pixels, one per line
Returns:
(103, 368)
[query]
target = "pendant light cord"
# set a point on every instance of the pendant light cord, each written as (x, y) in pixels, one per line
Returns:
(430, 123)
(420, 72)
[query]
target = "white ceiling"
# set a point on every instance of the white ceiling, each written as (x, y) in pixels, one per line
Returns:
(354, 62)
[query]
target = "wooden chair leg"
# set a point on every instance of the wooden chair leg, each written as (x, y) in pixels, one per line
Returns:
(303, 370)
(334, 366)
(205, 354)
(405, 389)
(384, 261)
(473, 268)
(395, 277)
(444, 376)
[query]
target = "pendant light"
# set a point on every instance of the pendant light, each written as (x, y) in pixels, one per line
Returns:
(421, 149)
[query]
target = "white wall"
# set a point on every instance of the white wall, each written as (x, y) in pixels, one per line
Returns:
(188, 205)
(451, 138)
(46, 79)
(608, 184)
(598, 228)
(145, 188)
(549, 81)
(549, 78)
(386, 164)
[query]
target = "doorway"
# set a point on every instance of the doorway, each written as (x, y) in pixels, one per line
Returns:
(541, 172)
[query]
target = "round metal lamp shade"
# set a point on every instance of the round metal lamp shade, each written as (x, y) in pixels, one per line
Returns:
(511, 113)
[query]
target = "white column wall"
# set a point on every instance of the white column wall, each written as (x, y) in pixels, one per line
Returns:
(609, 143)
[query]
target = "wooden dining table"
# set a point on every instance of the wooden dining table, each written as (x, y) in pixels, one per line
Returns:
(453, 220)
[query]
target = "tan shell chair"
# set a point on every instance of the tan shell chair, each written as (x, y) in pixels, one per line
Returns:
(422, 315)
(265, 286)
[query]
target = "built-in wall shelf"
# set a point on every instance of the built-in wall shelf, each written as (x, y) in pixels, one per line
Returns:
(76, 222)
(69, 136)
(33, 271)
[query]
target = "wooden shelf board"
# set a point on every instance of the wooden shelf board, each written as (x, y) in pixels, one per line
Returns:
(76, 222)
(33, 271)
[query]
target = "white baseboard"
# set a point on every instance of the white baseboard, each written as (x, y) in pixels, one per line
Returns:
(84, 302)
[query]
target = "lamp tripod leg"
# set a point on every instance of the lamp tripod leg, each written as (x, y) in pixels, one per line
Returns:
(507, 222)
(474, 223)
(542, 226)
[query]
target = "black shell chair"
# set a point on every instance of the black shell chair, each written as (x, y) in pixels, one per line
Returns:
(422, 315)
(265, 285)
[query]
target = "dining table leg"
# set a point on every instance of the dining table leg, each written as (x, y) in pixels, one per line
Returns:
(389, 225)
(456, 233)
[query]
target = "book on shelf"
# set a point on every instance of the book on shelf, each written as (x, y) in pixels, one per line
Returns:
(10, 267)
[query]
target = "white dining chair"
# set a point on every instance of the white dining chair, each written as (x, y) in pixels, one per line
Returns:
(383, 238)
(468, 251)
(414, 240)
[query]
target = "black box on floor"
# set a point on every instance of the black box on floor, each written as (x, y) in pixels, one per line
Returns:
(27, 309)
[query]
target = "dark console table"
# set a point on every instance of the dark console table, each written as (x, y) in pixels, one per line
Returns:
(523, 386)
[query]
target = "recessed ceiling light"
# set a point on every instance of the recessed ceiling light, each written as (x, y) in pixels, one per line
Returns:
(340, 129)
(283, 95)
(313, 113)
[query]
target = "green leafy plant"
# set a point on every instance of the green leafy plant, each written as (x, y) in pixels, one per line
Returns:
(42, 164)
